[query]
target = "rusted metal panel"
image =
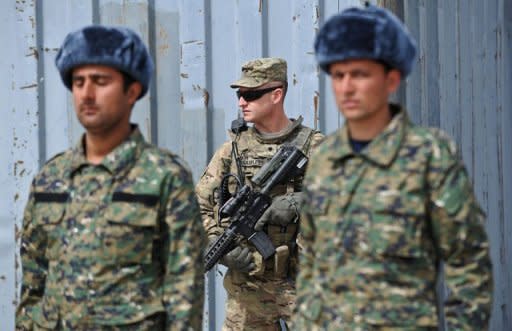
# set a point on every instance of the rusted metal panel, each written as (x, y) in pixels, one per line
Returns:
(165, 93)
(135, 15)
(19, 127)
(329, 118)
(195, 94)
(59, 129)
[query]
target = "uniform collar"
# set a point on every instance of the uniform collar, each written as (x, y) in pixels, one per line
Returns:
(383, 148)
(278, 137)
(119, 159)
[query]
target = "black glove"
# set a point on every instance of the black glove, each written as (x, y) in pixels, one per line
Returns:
(283, 210)
(240, 259)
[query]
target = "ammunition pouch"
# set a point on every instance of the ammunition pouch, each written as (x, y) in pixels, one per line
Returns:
(284, 261)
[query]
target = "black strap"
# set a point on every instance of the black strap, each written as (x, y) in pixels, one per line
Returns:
(146, 199)
(51, 197)
(236, 156)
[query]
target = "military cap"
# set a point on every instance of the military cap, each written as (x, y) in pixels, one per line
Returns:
(366, 33)
(117, 47)
(261, 71)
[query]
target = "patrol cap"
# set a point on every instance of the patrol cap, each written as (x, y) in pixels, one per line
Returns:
(366, 33)
(261, 71)
(117, 47)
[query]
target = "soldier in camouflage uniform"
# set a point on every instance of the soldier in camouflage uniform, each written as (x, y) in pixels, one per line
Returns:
(112, 236)
(259, 292)
(385, 200)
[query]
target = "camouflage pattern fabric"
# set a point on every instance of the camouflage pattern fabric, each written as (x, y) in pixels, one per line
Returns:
(374, 226)
(258, 72)
(107, 247)
(256, 300)
(257, 305)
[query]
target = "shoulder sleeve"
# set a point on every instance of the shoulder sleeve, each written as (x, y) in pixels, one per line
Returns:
(55, 157)
(306, 241)
(183, 288)
(459, 232)
(208, 185)
(34, 266)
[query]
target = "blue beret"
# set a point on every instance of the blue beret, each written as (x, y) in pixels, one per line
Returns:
(366, 33)
(116, 47)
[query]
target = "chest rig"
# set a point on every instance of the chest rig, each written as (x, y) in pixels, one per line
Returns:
(250, 152)
(254, 150)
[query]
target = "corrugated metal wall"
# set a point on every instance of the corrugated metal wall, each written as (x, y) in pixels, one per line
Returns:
(462, 83)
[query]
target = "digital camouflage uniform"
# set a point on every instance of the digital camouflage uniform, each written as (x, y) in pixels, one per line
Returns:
(114, 246)
(376, 223)
(256, 300)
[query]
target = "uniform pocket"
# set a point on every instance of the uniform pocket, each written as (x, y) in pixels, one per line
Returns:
(326, 223)
(398, 224)
(49, 217)
(320, 314)
(130, 231)
(45, 316)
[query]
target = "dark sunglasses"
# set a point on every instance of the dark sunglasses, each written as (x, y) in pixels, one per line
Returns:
(252, 95)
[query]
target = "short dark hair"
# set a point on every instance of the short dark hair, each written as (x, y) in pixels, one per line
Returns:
(387, 66)
(128, 80)
(285, 89)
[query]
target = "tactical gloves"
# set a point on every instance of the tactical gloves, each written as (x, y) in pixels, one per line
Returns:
(283, 210)
(240, 259)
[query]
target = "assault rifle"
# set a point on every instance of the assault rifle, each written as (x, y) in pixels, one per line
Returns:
(248, 205)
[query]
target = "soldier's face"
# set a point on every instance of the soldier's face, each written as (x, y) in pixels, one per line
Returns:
(101, 103)
(259, 104)
(362, 88)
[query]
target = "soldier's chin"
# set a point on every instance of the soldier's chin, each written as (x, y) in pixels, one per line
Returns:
(93, 128)
(248, 118)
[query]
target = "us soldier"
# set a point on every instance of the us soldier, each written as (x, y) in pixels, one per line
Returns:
(259, 293)
(112, 236)
(385, 200)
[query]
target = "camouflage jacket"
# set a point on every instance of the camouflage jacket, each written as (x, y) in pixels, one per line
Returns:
(254, 150)
(375, 225)
(112, 244)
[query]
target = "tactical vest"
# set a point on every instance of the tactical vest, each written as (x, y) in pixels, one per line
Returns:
(254, 151)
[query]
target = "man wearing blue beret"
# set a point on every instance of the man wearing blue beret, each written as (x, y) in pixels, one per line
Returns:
(112, 236)
(385, 201)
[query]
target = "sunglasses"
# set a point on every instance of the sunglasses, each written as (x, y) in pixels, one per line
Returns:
(252, 95)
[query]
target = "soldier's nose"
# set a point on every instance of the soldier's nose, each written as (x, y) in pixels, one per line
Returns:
(241, 101)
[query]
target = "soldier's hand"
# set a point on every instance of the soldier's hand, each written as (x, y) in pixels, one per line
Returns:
(240, 259)
(283, 210)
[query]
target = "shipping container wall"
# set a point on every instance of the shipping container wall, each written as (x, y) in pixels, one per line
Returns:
(462, 83)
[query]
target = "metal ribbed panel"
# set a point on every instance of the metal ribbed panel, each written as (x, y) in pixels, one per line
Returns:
(462, 83)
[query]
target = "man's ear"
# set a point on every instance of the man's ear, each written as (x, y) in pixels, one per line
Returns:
(278, 95)
(133, 92)
(393, 80)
